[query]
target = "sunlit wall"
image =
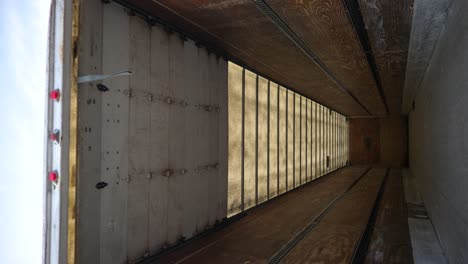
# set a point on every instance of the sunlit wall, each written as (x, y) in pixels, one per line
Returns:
(278, 140)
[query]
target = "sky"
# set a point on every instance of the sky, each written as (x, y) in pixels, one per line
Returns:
(23, 42)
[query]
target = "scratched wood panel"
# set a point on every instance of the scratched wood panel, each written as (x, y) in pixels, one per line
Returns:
(319, 138)
(309, 140)
(274, 123)
(337, 141)
(262, 139)
(222, 101)
(330, 139)
(318, 131)
(283, 144)
(324, 140)
(114, 136)
(327, 140)
(390, 237)
(262, 232)
(303, 178)
(345, 145)
(290, 141)
(347, 140)
(139, 140)
(314, 140)
(335, 43)
(89, 133)
(342, 145)
(159, 135)
(297, 140)
(334, 141)
(249, 139)
(234, 138)
(335, 238)
(389, 28)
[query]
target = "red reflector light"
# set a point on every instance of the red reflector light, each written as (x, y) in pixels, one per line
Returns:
(55, 94)
(53, 176)
(54, 136)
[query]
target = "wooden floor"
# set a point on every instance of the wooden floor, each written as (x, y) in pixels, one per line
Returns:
(390, 240)
(322, 222)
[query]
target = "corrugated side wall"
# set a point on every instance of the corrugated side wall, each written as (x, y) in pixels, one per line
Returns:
(438, 135)
(156, 142)
(278, 140)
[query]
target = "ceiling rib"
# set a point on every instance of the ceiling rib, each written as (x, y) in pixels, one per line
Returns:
(276, 19)
(355, 15)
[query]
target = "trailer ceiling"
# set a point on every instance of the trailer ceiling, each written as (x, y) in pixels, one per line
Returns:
(351, 78)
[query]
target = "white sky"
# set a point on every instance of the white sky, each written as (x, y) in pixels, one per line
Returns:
(23, 39)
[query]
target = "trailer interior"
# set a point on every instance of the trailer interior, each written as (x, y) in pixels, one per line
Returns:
(257, 131)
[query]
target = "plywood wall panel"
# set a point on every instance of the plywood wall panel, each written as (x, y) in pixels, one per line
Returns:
(283, 140)
(297, 140)
(309, 140)
(234, 137)
(262, 139)
(250, 187)
(291, 167)
(278, 138)
(303, 144)
(274, 139)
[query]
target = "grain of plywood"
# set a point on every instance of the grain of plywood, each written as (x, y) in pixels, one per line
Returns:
(325, 27)
(290, 129)
(283, 156)
(389, 26)
(262, 139)
(234, 138)
(249, 139)
(274, 139)
(335, 237)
